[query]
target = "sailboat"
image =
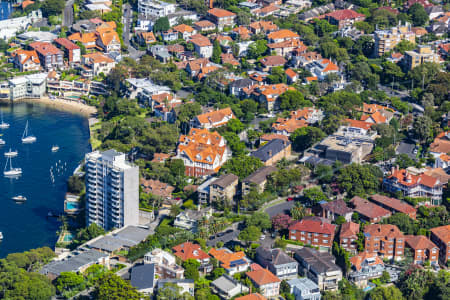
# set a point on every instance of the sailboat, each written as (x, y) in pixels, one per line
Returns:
(55, 148)
(3, 125)
(11, 153)
(12, 172)
(19, 198)
(27, 139)
(2, 142)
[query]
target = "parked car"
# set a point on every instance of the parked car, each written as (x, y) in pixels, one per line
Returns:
(263, 237)
(290, 199)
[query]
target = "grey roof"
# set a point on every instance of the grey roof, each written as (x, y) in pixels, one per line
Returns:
(320, 262)
(74, 263)
(241, 83)
(195, 214)
(338, 207)
(303, 284)
(406, 148)
(260, 175)
(162, 282)
(225, 180)
(273, 257)
(225, 283)
(143, 276)
(127, 237)
(270, 149)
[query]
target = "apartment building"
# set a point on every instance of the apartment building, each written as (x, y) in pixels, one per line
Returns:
(386, 40)
(278, 262)
(273, 151)
(369, 211)
(320, 267)
(223, 189)
(385, 240)
(422, 54)
(202, 152)
(28, 86)
(348, 236)
(257, 179)
(96, 63)
(441, 237)
(312, 232)
(414, 185)
(156, 8)
(423, 249)
(221, 17)
(51, 58)
(394, 205)
(165, 264)
(112, 190)
(71, 51)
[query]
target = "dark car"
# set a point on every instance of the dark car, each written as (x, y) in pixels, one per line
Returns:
(220, 234)
(212, 237)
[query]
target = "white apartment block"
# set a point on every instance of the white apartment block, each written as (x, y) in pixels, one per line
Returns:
(112, 190)
(155, 8)
(28, 86)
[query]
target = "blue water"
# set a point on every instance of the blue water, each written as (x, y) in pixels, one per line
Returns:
(72, 205)
(5, 10)
(25, 226)
(68, 237)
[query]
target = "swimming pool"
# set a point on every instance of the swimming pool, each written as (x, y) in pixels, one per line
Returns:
(72, 205)
(68, 237)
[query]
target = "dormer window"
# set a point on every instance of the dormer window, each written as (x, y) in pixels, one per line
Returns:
(198, 156)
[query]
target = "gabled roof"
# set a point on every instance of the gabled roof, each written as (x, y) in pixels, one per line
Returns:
(228, 258)
(419, 242)
(98, 57)
(183, 28)
(338, 207)
(220, 13)
(143, 276)
(405, 178)
(344, 14)
(282, 34)
(260, 175)
(442, 232)
(225, 180)
(27, 55)
(313, 226)
(371, 258)
(262, 277)
(349, 229)
(274, 60)
(215, 116)
(358, 124)
(189, 250)
(66, 43)
(368, 209)
(377, 117)
(254, 296)
(264, 25)
(441, 143)
(382, 231)
(270, 149)
(290, 73)
(204, 24)
(396, 204)
(275, 257)
(45, 48)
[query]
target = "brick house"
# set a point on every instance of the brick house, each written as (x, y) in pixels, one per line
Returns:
(334, 209)
(423, 249)
(348, 236)
(51, 58)
(386, 240)
(221, 17)
(311, 232)
(441, 237)
(369, 211)
(71, 51)
(273, 151)
(344, 18)
(268, 284)
(394, 205)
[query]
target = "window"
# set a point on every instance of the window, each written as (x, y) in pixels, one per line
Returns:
(325, 235)
(316, 240)
(399, 252)
(302, 238)
(325, 241)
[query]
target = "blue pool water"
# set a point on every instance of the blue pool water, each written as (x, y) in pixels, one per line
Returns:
(72, 205)
(68, 237)
(26, 226)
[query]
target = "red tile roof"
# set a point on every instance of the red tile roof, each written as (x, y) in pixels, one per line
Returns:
(442, 232)
(384, 231)
(262, 277)
(274, 60)
(189, 250)
(357, 260)
(396, 204)
(221, 13)
(282, 34)
(441, 143)
(349, 229)
(344, 14)
(66, 43)
(313, 226)
(405, 178)
(215, 116)
(254, 296)
(419, 242)
(291, 73)
(45, 48)
(358, 124)
(368, 209)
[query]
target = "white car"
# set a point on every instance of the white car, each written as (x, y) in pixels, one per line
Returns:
(262, 237)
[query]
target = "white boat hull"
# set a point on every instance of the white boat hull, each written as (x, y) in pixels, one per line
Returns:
(12, 173)
(4, 126)
(29, 140)
(11, 154)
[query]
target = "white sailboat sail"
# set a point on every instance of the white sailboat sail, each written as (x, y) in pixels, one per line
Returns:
(11, 172)
(3, 125)
(27, 138)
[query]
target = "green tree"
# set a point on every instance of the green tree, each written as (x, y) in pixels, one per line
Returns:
(52, 7)
(340, 220)
(217, 51)
(292, 100)
(305, 137)
(68, 282)
(170, 291)
(386, 293)
(418, 14)
(257, 49)
(342, 257)
(358, 179)
(260, 220)
(298, 212)
(404, 46)
(242, 165)
(250, 234)
(314, 195)
(235, 125)
(110, 286)
(191, 269)
(75, 184)
(217, 272)
(422, 128)
(162, 24)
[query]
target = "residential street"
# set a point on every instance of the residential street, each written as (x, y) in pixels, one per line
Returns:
(68, 14)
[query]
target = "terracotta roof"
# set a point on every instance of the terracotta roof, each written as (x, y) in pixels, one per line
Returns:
(220, 13)
(215, 116)
(225, 257)
(291, 43)
(183, 28)
(441, 143)
(274, 136)
(262, 277)
(445, 157)
(274, 60)
(98, 57)
(289, 125)
(377, 117)
(358, 124)
(161, 97)
(84, 38)
(329, 66)
(372, 108)
(189, 250)
(419, 242)
(243, 32)
(45, 48)
(282, 34)
(311, 78)
(175, 48)
(396, 55)
(66, 43)
(264, 25)
(338, 207)
(272, 91)
(254, 296)
(266, 9)
(383, 231)
(228, 58)
(349, 229)
(396, 204)
(419, 31)
(368, 209)
(291, 73)
(344, 14)
(26, 3)
(108, 36)
(26, 55)
(405, 178)
(442, 232)
(357, 260)
(160, 157)
(156, 187)
(149, 37)
(313, 226)
(204, 24)
(200, 40)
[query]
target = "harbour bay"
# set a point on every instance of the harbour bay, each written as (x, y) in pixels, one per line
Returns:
(26, 226)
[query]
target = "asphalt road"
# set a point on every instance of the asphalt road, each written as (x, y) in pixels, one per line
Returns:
(127, 22)
(68, 13)
(282, 208)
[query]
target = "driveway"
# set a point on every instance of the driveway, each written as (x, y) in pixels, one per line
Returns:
(68, 13)
(227, 237)
(282, 208)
